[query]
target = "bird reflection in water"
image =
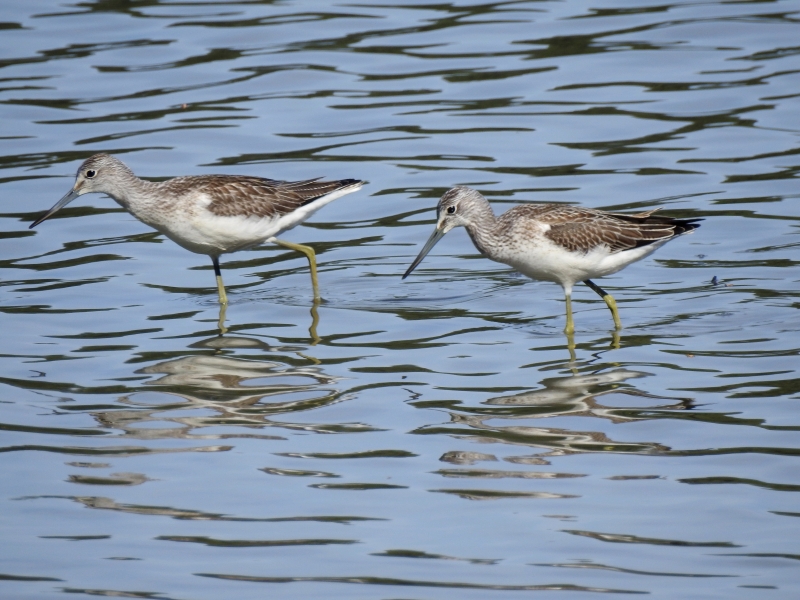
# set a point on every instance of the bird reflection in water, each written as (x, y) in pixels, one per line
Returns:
(312, 328)
(218, 390)
(573, 396)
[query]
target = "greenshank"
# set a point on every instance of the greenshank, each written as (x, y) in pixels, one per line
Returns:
(211, 214)
(556, 242)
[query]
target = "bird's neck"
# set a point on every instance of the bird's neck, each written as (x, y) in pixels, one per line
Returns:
(481, 227)
(135, 195)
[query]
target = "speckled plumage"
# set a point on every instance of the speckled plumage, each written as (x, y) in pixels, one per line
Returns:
(243, 196)
(210, 214)
(555, 242)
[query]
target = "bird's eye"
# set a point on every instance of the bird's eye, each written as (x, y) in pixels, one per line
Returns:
(90, 173)
(451, 210)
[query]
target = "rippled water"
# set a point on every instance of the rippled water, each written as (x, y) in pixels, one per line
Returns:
(427, 438)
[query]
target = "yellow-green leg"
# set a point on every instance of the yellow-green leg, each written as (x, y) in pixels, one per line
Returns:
(609, 300)
(223, 297)
(570, 328)
(312, 262)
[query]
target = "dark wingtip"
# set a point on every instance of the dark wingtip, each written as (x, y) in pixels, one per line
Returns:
(686, 225)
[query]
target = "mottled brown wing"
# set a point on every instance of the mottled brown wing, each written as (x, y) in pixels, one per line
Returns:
(583, 229)
(238, 196)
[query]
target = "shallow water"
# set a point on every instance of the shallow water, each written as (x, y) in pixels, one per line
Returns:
(426, 438)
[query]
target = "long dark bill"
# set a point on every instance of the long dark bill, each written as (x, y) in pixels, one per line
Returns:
(437, 235)
(69, 197)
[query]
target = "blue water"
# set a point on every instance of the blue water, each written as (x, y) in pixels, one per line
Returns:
(423, 438)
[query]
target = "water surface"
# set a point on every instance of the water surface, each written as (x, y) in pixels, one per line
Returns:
(427, 438)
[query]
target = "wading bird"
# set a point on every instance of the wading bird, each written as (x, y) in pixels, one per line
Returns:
(555, 242)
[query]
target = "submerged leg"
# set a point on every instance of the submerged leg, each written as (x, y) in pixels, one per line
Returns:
(609, 300)
(314, 322)
(572, 356)
(570, 328)
(221, 322)
(312, 263)
(223, 297)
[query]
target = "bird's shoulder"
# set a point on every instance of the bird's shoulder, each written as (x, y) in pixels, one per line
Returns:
(554, 214)
(544, 218)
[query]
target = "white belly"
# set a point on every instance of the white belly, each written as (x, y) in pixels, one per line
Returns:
(216, 235)
(545, 261)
